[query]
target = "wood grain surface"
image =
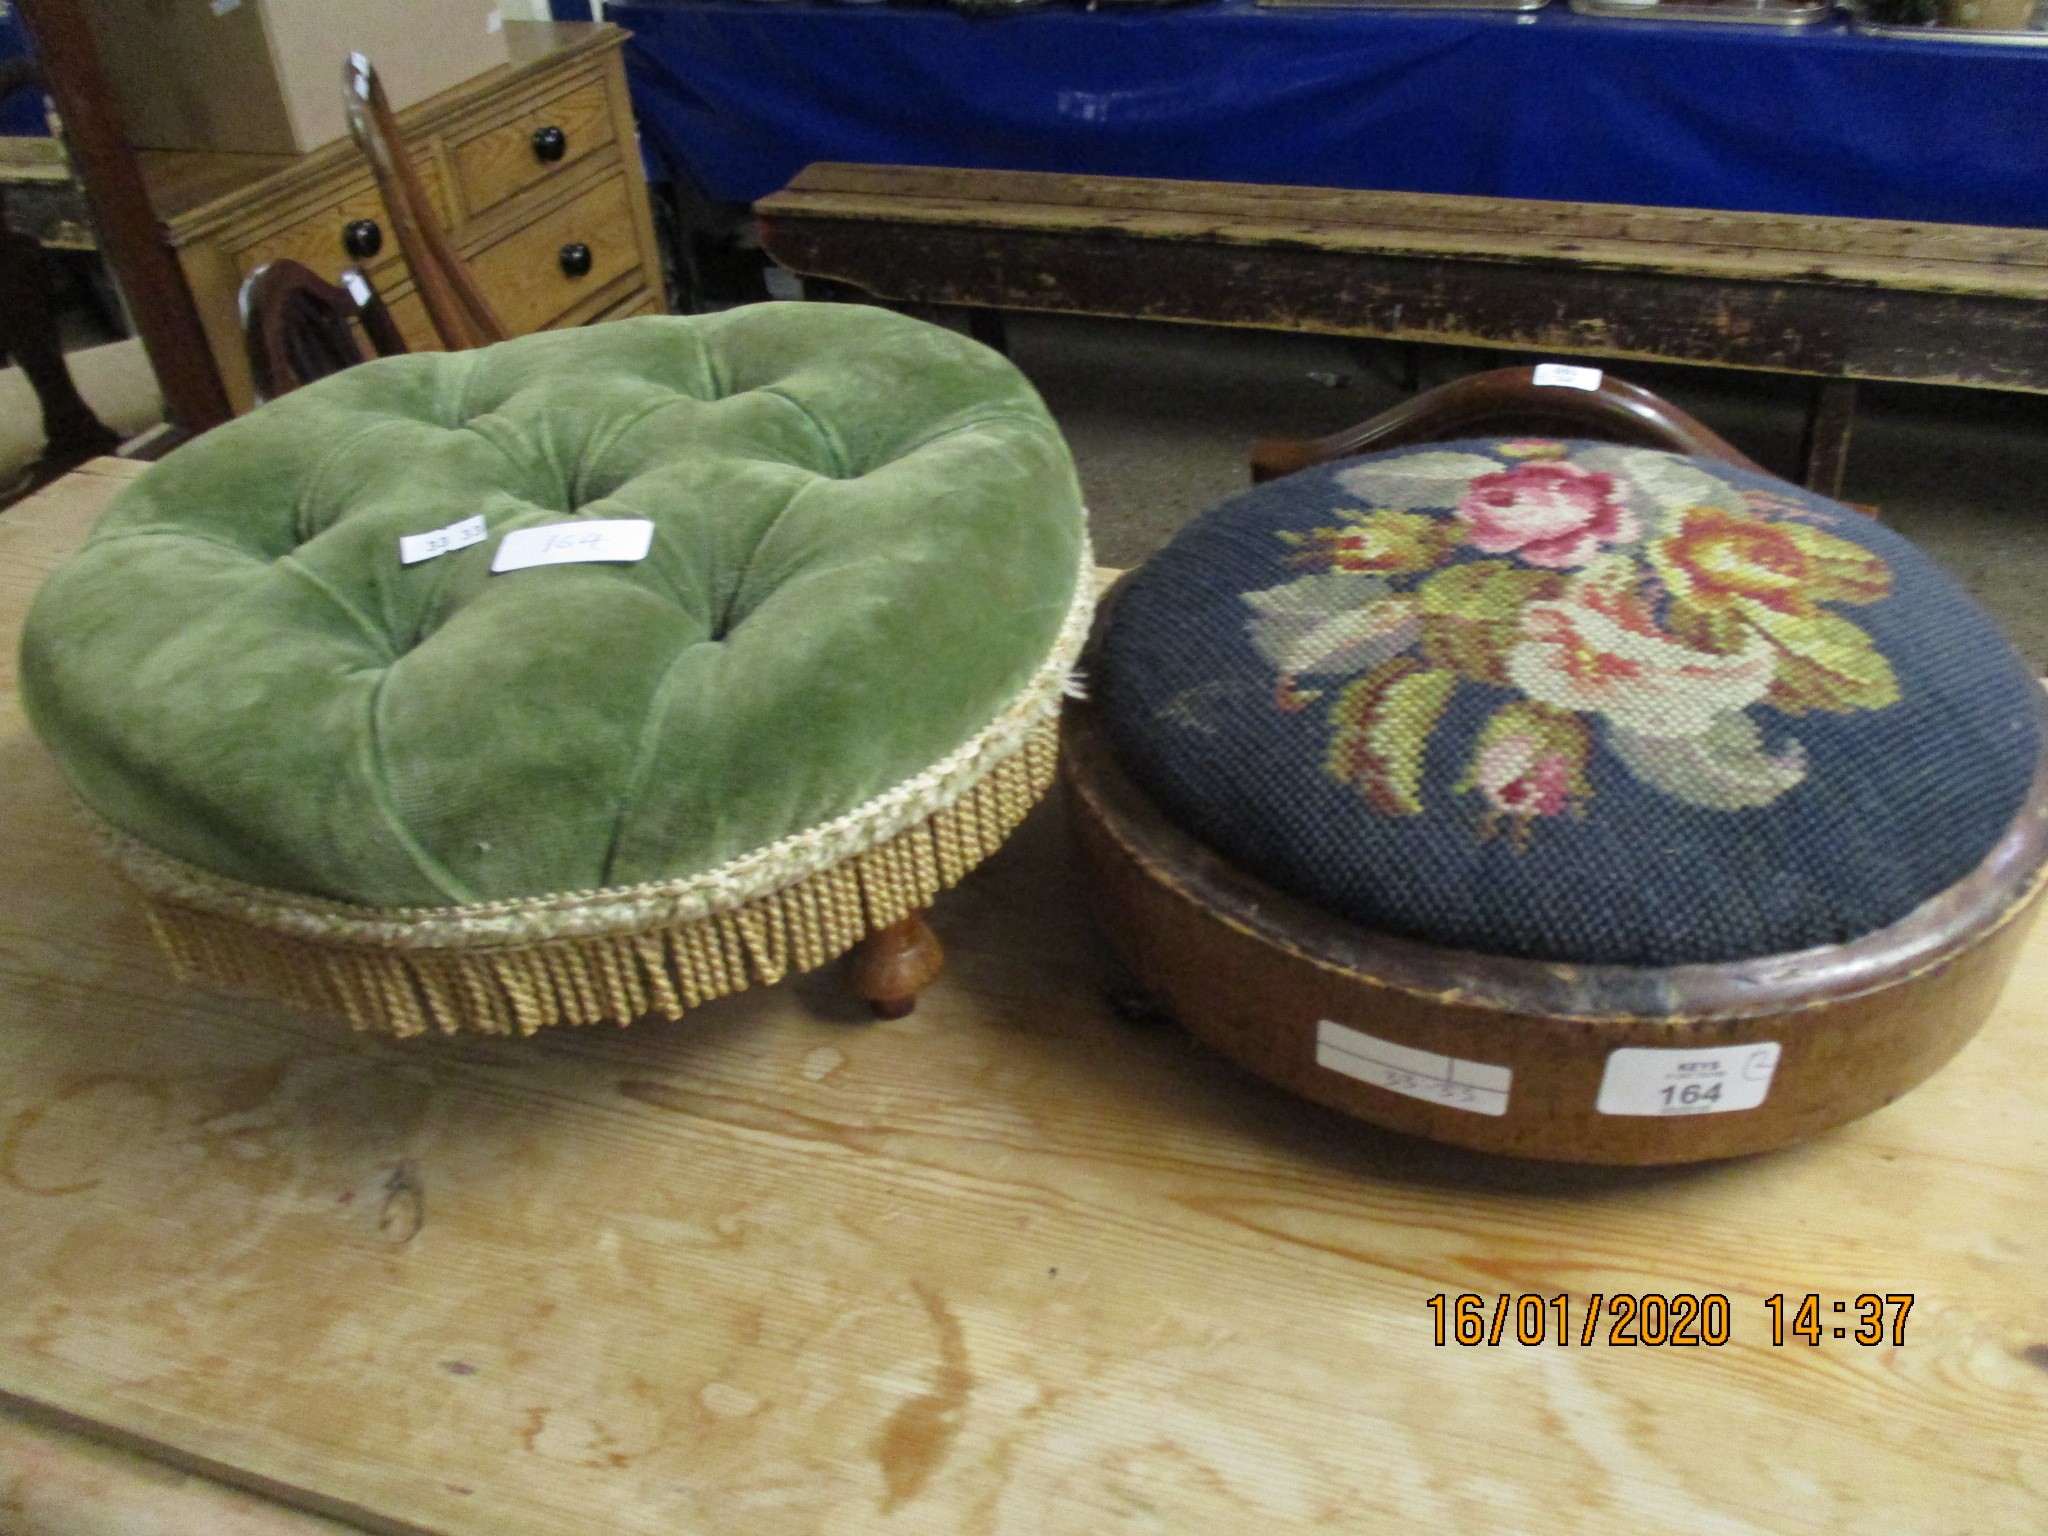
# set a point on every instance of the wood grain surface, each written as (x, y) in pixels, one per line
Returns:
(1014, 1264)
(471, 146)
(188, 186)
(1832, 298)
(500, 161)
(54, 1483)
(1261, 976)
(314, 238)
(523, 273)
(1695, 242)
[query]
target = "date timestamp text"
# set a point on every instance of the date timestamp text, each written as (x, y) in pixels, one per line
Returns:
(1680, 1320)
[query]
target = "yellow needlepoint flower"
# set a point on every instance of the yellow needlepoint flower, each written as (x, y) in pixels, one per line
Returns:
(1381, 542)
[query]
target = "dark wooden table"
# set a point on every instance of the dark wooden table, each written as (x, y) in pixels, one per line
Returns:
(1838, 300)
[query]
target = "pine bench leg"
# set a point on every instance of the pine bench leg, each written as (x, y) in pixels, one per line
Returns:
(986, 326)
(1829, 419)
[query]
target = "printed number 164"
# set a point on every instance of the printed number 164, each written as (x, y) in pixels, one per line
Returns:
(1690, 1093)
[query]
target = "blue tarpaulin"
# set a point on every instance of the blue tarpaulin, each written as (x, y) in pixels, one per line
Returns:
(21, 113)
(1825, 121)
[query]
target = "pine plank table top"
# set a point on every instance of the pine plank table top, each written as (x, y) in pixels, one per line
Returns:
(1010, 1265)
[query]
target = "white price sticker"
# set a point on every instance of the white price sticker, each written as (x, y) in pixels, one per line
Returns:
(1646, 1080)
(1565, 376)
(415, 547)
(1469, 1085)
(617, 540)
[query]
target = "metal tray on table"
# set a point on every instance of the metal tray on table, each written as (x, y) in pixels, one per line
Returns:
(1404, 5)
(1748, 13)
(1860, 20)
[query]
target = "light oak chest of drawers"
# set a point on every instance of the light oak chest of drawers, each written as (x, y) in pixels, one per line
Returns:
(534, 170)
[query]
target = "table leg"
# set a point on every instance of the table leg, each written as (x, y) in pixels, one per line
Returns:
(1371, 358)
(28, 334)
(986, 326)
(1829, 417)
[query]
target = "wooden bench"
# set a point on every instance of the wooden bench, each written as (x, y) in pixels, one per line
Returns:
(1838, 300)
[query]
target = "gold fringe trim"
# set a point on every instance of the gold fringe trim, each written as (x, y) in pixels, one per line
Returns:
(619, 977)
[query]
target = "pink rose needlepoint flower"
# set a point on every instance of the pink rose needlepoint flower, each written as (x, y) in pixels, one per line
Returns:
(1529, 763)
(1555, 515)
(1519, 777)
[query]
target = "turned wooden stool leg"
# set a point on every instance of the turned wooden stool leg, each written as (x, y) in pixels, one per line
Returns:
(890, 967)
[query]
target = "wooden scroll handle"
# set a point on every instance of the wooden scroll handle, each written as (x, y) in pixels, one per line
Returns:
(1507, 402)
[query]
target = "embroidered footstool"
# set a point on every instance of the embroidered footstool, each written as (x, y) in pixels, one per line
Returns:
(580, 678)
(1561, 798)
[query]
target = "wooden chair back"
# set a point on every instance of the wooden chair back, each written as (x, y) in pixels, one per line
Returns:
(1508, 401)
(298, 327)
(455, 305)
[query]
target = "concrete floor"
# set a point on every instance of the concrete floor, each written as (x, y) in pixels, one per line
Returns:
(1160, 416)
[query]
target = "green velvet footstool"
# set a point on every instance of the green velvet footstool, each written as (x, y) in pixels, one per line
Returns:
(581, 678)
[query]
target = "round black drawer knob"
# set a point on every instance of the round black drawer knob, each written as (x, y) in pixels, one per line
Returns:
(362, 239)
(549, 144)
(575, 259)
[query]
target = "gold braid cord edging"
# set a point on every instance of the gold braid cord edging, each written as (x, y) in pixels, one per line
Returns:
(511, 967)
(625, 976)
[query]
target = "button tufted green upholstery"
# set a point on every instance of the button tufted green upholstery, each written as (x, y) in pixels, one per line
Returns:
(868, 544)
(868, 536)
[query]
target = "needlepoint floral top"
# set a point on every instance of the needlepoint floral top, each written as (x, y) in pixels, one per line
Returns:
(1429, 688)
